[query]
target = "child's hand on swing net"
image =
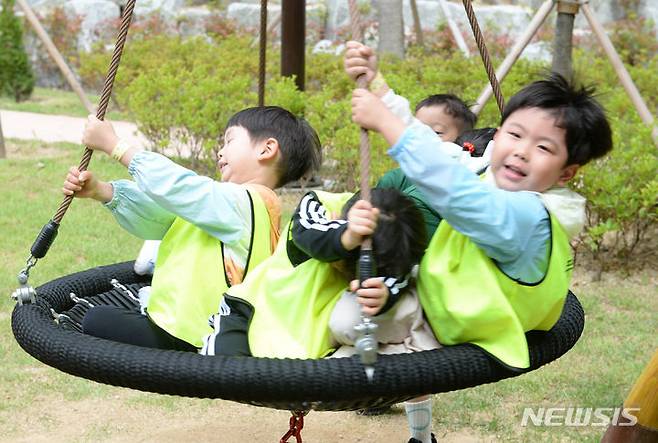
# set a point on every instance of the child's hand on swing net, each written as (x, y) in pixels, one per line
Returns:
(372, 295)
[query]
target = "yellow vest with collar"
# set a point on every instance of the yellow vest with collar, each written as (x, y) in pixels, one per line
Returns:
(292, 304)
(190, 276)
(468, 299)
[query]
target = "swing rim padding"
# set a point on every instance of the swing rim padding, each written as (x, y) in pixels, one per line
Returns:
(332, 384)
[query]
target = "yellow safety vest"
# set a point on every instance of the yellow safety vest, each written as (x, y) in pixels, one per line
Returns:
(292, 304)
(468, 299)
(190, 277)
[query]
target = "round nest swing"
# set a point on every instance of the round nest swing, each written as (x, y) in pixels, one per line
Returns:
(290, 384)
(49, 329)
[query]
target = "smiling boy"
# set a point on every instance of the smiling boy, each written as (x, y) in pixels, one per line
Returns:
(500, 262)
(212, 232)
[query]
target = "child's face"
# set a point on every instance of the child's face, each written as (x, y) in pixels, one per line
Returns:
(444, 124)
(238, 157)
(530, 152)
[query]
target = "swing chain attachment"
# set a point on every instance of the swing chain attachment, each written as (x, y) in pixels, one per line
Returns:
(25, 293)
(296, 425)
(366, 345)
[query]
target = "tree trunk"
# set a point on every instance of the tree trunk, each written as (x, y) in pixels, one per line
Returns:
(391, 27)
(418, 29)
(562, 48)
(293, 30)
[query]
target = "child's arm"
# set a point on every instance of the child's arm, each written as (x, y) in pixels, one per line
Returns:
(378, 294)
(221, 209)
(132, 209)
(324, 239)
(511, 227)
(361, 60)
(372, 295)
(85, 185)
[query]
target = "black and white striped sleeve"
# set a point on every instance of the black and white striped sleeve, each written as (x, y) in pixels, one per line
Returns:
(395, 289)
(315, 234)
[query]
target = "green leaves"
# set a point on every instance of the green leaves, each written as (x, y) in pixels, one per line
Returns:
(16, 78)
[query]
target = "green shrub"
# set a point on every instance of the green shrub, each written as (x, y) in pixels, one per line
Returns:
(16, 78)
(622, 188)
(190, 96)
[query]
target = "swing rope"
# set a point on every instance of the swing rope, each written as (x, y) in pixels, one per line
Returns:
(364, 146)
(262, 53)
(366, 343)
(48, 233)
(105, 96)
(479, 39)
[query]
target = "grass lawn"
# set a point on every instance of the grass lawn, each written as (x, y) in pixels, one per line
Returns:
(39, 403)
(59, 102)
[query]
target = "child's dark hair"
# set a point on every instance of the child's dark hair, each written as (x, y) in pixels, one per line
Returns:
(588, 133)
(476, 140)
(454, 106)
(400, 239)
(299, 144)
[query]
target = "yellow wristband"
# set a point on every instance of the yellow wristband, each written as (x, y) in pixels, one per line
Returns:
(120, 149)
(377, 83)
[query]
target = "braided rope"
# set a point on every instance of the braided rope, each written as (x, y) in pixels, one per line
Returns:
(262, 52)
(479, 39)
(364, 145)
(105, 97)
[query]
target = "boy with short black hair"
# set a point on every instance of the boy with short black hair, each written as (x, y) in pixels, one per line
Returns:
(500, 262)
(212, 232)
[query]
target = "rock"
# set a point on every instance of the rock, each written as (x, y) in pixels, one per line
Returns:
(649, 10)
(538, 51)
(248, 14)
(192, 21)
(95, 14)
(167, 9)
(338, 17)
(328, 47)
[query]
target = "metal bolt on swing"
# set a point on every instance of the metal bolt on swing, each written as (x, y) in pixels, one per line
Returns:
(366, 345)
(25, 293)
(296, 426)
(366, 342)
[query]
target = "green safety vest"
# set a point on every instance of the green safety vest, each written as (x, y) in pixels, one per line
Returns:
(190, 277)
(468, 299)
(292, 304)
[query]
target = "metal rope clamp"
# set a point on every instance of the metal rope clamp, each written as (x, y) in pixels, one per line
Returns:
(25, 294)
(366, 345)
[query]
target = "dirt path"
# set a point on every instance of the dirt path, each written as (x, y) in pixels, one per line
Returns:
(57, 128)
(129, 416)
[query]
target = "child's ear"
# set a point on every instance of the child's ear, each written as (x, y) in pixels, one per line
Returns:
(269, 149)
(568, 172)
